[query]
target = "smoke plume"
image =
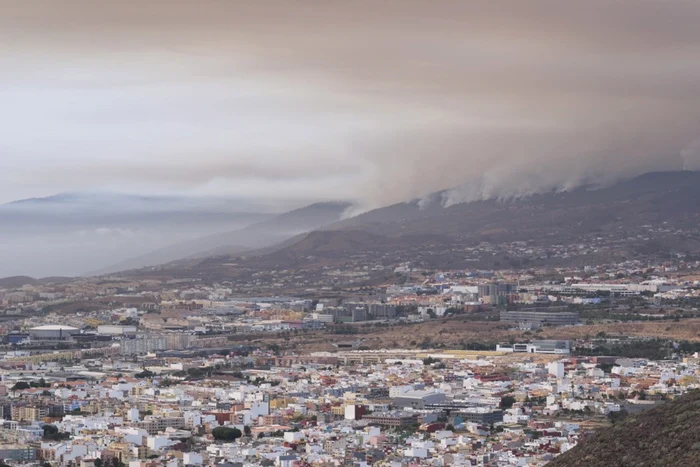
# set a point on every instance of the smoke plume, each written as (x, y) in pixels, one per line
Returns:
(371, 101)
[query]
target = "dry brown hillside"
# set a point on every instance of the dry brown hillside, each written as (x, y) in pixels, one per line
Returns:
(662, 437)
(455, 332)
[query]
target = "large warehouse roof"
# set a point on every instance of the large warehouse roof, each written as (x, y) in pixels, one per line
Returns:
(54, 327)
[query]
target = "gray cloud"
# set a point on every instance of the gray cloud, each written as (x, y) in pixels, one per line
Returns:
(378, 101)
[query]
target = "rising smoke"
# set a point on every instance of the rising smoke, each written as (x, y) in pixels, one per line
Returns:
(377, 102)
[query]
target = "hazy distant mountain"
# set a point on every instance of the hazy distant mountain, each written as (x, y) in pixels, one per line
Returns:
(67, 211)
(276, 229)
(268, 232)
(71, 233)
(19, 281)
(426, 232)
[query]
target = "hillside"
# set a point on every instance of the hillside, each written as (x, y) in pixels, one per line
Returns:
(652, 197)
(461, 331)
(664, 436)
(274, 230)
(626, 220)
(652, 216)
(17, 281)
(258, 235)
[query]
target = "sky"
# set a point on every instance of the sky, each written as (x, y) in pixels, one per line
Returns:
(372, 101)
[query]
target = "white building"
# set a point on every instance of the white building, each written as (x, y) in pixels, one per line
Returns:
(116, 330)
(192, 458)
(293, 436)
(556, 369)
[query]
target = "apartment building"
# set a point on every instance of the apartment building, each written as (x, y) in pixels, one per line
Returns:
(154, 424)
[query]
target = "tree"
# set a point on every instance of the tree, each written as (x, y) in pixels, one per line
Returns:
(50, 430)
(617, 416)
(430, 361)
(20, 386)
(98, 462)
(129, 322)
(246, 430)
(167, 382)
(507, 402)
(39, 384)
(145, 374)
(224, 433)
(51, 433)
(454, 311)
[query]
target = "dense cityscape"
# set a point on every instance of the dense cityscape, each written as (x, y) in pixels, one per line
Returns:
(118, 370)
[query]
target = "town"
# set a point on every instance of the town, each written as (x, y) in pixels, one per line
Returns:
(464, 367)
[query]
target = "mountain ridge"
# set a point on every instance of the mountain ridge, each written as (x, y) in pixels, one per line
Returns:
(15, 282)
(436, 236)
(258, 235)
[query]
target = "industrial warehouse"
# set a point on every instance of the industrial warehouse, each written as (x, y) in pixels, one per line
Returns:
(53, 332)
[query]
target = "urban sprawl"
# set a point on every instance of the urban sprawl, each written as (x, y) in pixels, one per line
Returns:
(441, 368)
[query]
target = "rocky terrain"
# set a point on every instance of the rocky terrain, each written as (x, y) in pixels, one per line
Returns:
(660, 437)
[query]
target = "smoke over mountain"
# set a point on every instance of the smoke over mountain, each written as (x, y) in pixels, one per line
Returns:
(371, 101)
